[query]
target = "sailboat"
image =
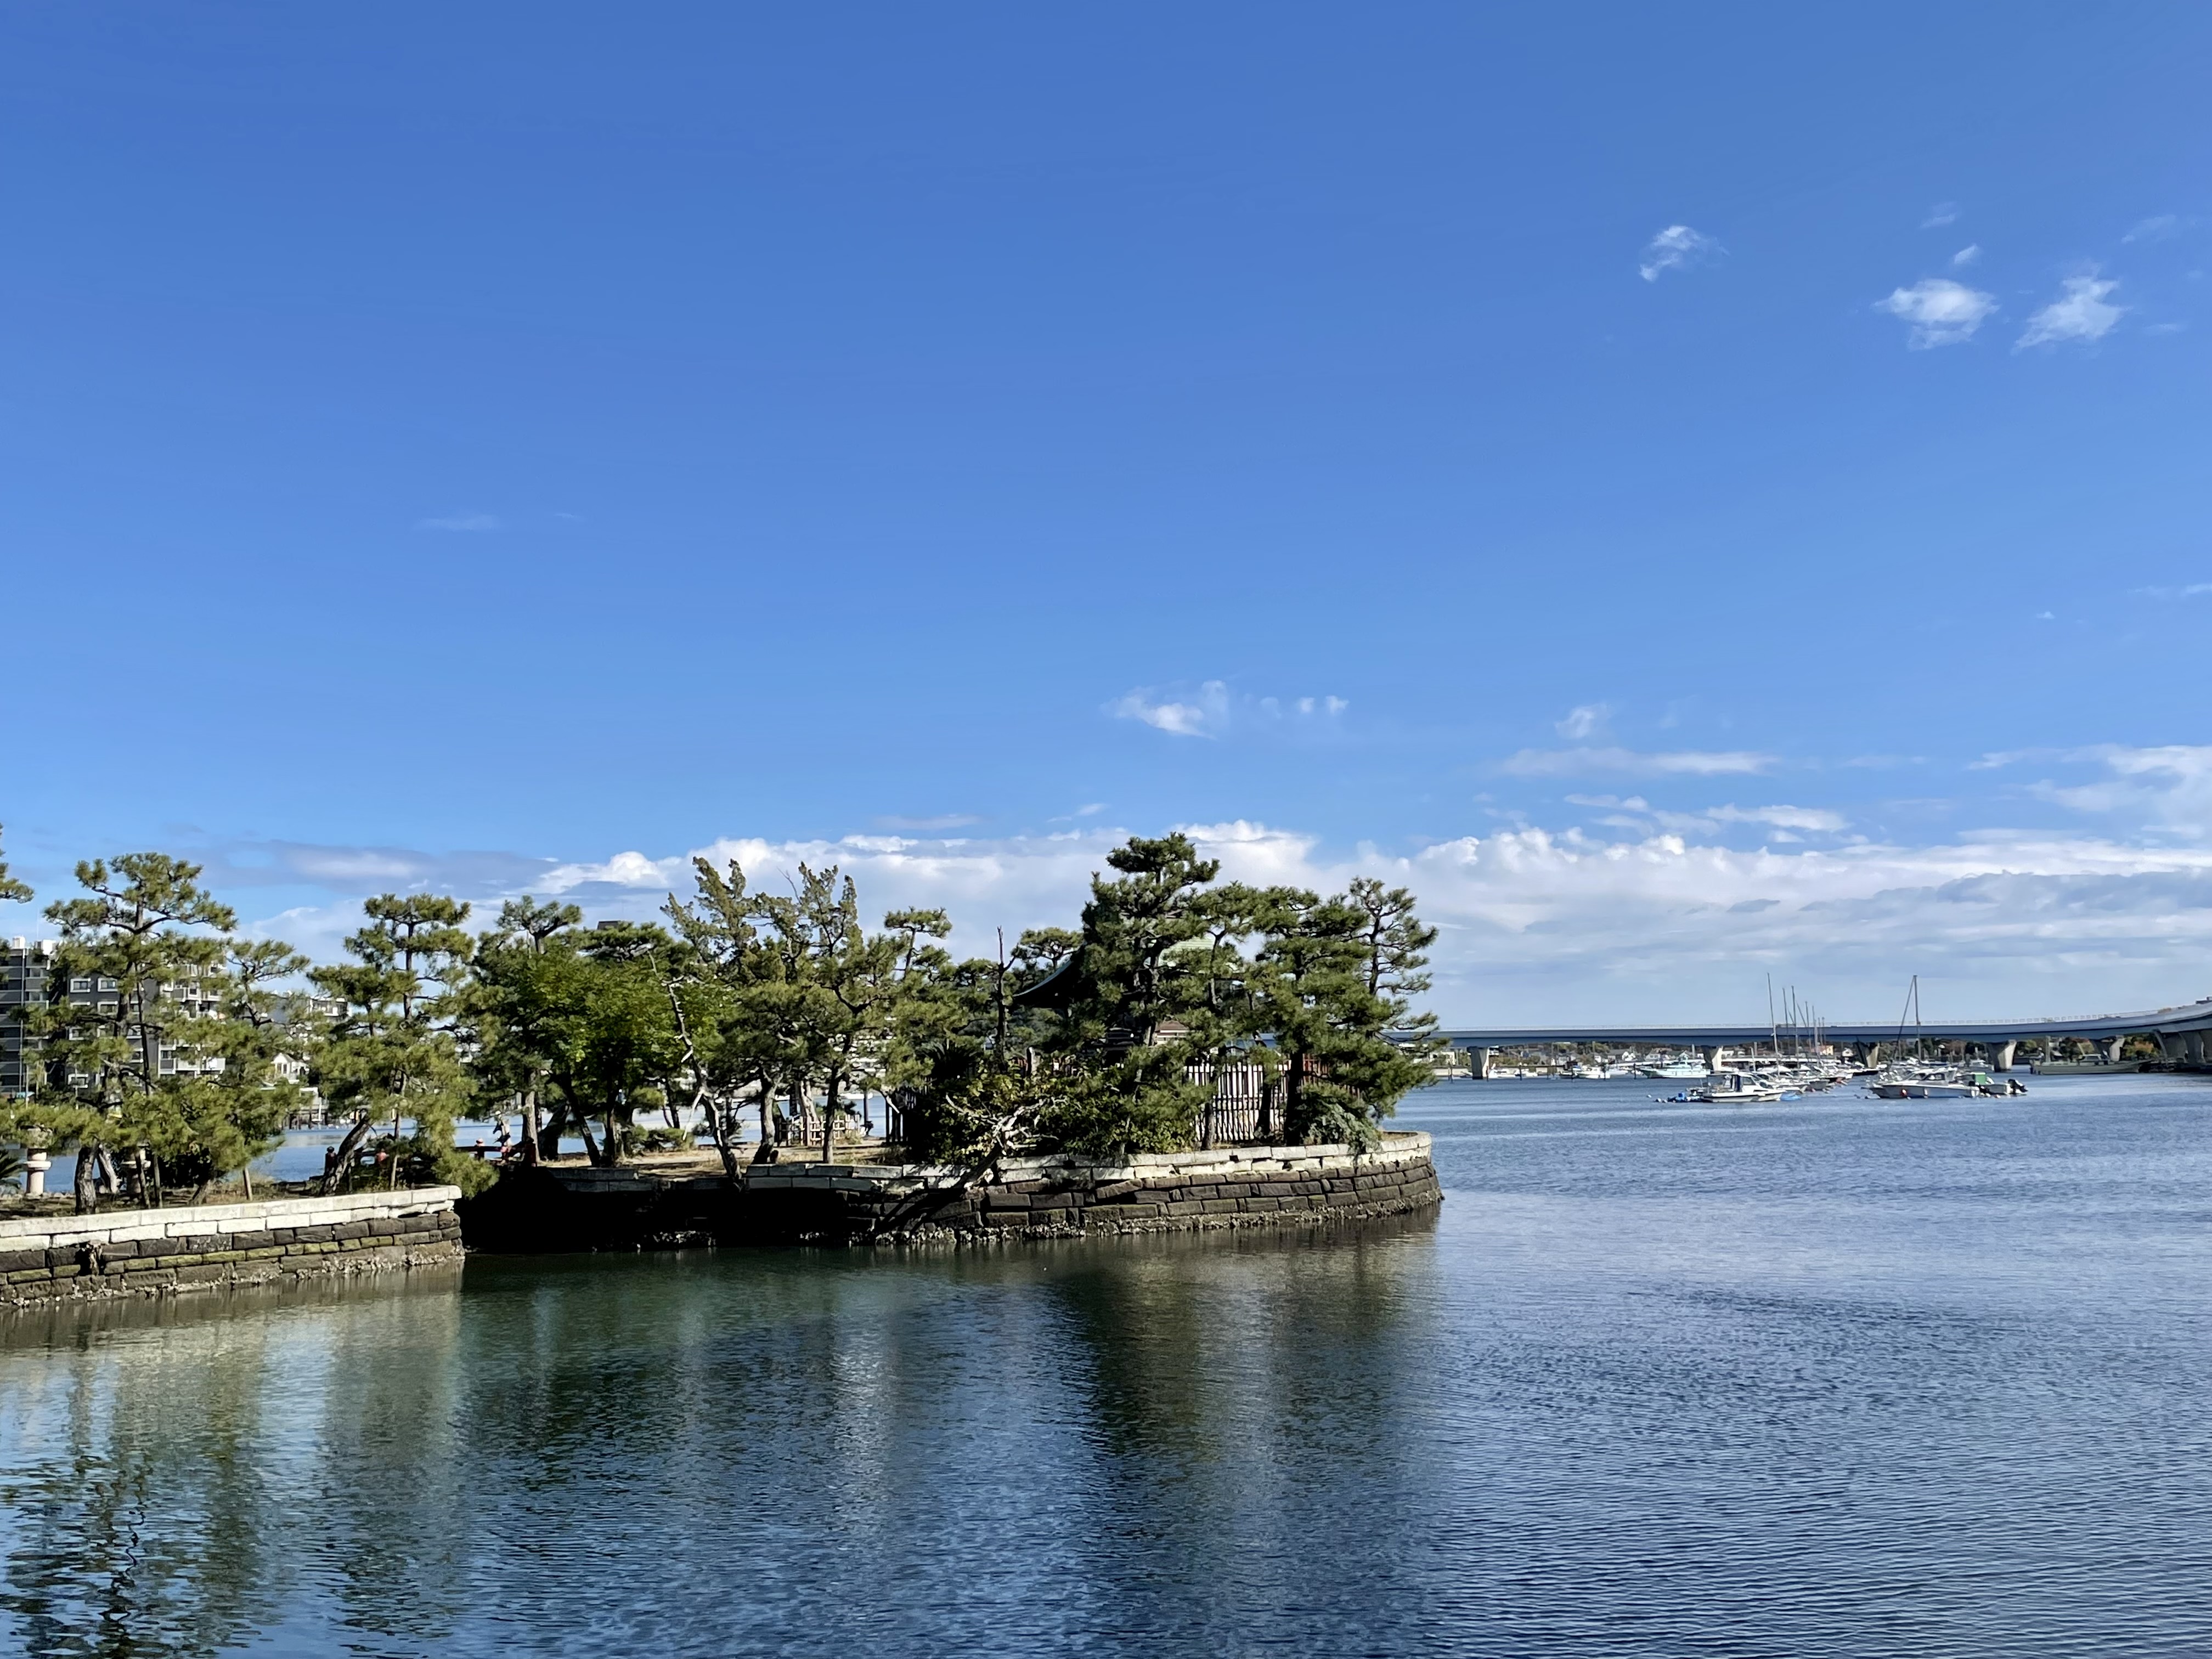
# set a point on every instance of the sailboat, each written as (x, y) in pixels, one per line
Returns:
(1915, 1078)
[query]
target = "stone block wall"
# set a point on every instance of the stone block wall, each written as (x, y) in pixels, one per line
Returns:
(157, 1252)
(577, 1209)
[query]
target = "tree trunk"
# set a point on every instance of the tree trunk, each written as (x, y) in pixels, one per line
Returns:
(342, 1158)
(246, 1175)
(719, 1123)
(86, 1180)
(531, 1151)
(829, 1119)
(591, 1147)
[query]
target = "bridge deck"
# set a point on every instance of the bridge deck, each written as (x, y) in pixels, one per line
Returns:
(2194, 1016)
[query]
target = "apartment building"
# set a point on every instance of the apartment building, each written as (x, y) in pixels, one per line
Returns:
(23, 975)
(28, 980)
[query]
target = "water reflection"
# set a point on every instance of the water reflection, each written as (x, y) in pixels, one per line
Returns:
(1798, 1385)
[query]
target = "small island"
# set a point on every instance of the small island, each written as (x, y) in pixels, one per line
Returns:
(758, 1065)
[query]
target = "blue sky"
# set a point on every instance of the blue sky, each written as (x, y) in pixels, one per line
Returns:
(1697, 493)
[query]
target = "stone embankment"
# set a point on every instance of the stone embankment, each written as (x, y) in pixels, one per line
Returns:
(566, 1208)
(157, 1252)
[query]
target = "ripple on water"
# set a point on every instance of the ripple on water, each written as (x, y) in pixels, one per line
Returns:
(1831, 1378)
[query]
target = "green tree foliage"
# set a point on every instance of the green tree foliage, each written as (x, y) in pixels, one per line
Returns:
(1103, 1041)
(728, 990)
(166, 1056)
(839, 985)
(391, 1054)
(257, 1023)
(978, 1074)
(1339, 1074)
(1142, 985)
(623, 1051)
(521, 993)
(11, 889)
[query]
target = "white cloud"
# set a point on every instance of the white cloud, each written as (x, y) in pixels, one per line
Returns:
(941, 821)
(2166, 788)
(1940, 312)
(2193, 590)
(1678, 247)
(1656, 920)
(1709, 820)
(1204, 716)
(1969, 255)
(1572, 763)
(2157, 228)
(461, 521)
(2080, 313)
(1782, 817)
(1556, 927)
(1586, 721)
(1213, 711)
(1943, 214)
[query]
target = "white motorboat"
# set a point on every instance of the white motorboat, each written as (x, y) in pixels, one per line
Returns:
(1684, 1069)
(1922, 1088)
(1739, 1088)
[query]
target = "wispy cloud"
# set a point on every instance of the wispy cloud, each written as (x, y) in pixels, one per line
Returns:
(1969, 255)
(1678, 247)
(1634, 809)
(1576, 762)
(1539, 924)
(1939, 311)
(1584, 721)
(2081, 313)
(1815, 818)
(2167, 788)
(1214, 711)
(2157, 228)
(1556, 927)
(941, 821)
(1204, 716)
(1943, 214)
(461, 521)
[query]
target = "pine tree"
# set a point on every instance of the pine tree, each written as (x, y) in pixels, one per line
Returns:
(1324, 1004)
(143, 946)
(735, 1007)
(12, 891)
(1397, 946)
(390, 1054)
(520, 992)
(1129, 1018)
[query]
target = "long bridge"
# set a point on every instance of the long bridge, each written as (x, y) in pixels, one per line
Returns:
(2183, 1034)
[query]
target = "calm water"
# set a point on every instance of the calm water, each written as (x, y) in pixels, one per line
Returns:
(1832, 1377)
